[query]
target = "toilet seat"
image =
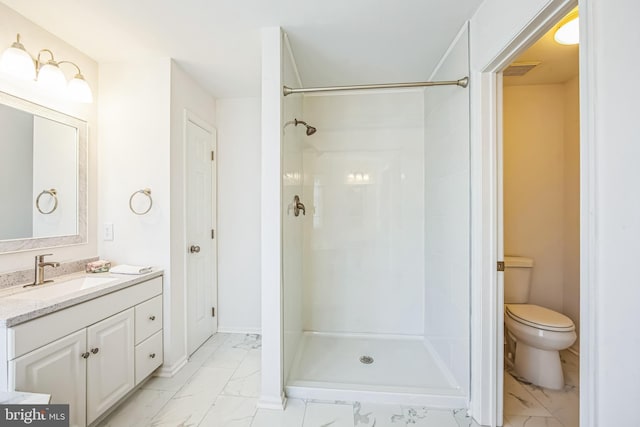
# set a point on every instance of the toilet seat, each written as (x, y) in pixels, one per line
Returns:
(539, 317)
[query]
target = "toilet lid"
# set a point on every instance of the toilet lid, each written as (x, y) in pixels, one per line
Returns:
(540, 317)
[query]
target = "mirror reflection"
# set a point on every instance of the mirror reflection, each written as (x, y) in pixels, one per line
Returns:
(40, 174)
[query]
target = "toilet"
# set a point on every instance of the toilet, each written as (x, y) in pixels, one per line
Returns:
(537, 333)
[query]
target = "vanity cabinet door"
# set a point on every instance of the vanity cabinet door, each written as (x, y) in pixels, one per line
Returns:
(110, 367)
(58, 369)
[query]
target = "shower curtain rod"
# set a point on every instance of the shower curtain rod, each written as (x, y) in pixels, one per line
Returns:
(463, 82)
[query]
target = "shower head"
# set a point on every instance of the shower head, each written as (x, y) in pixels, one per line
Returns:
(310, 129)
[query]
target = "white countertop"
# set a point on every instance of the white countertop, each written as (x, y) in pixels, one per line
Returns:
(17, 306)
(23, 398)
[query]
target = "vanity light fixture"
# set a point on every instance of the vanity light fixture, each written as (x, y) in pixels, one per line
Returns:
(568, 33)
(17, 62)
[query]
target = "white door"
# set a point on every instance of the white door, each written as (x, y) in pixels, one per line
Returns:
(110, 365)
(200, 231)
(58, 369)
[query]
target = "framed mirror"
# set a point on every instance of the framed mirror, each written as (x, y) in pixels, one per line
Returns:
(43, 177)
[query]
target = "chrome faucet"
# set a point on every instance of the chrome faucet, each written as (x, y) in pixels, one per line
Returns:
(39, 266)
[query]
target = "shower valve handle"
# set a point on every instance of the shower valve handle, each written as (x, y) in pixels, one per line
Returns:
(298, 206)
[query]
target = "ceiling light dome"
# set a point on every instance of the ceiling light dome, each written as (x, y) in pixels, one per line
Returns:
(569, 31)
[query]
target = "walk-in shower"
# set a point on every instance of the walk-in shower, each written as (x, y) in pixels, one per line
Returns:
(354, 265)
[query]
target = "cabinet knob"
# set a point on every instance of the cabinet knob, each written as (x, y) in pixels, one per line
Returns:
(152, 317)
(85, 355)
(152, 355)
(95, 350)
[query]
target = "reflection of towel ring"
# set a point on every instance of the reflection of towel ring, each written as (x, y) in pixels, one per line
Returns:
(54, 194)
(146, 192)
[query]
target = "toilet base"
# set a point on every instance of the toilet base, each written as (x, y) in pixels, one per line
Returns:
(540, 367)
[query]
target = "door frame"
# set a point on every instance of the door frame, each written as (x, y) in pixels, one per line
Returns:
(190, 116)
(487, 295)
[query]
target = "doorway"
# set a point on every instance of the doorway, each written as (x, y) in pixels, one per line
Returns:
(200, 216)
(539, 214)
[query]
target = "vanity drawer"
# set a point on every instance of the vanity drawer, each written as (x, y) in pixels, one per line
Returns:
(148, 356)
(148, 318)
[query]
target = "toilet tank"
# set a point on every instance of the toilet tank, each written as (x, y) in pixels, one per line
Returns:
(517, 279)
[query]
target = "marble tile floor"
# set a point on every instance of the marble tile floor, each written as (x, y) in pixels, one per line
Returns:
(219, 388)
(528, 405)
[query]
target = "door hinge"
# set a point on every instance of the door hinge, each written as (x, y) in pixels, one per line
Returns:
(500, 265)
(213, 156)
(213, 233)
(213, 312)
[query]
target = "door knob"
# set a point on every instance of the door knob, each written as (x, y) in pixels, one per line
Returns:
(95, 350)
(85, 355)
(194, 249)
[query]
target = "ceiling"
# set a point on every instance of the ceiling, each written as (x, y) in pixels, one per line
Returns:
(335, 42)
(558, 63)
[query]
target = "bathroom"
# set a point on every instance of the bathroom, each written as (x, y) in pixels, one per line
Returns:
(541, 155)
(139, 110)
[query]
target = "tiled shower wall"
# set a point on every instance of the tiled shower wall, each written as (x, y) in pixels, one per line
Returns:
(363, 232)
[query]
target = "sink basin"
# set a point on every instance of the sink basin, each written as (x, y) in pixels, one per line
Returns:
(58, 289)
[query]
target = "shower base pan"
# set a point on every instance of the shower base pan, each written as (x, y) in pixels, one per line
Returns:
(373, 368)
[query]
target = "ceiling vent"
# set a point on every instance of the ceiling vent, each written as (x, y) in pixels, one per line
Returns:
(519, 69)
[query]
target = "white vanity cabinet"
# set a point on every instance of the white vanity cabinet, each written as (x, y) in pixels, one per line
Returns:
(92, 354)
(110, 365)
(56, 369)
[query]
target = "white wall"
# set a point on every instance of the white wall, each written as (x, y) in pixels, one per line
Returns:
(533, 187)
(141, 137)
(35, 38)
(271, 393)
(542, 189)
(238, 124)
(135, 154)
(611, 211)
(571, 289)
(446, 200)
(363, 189)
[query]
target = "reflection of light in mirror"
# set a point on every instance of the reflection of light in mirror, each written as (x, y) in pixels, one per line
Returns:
(358, 178)
(317, 203)
(291, 178)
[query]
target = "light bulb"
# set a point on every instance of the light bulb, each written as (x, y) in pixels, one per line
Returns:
(51, 78)
(568, 33)
(17, 62)
(79, 90)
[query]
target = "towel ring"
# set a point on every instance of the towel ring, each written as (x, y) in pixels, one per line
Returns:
(146, 192)
(54, 194)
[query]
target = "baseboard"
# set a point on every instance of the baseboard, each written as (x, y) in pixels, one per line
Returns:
(232, 330)
(272, 403)
(169, 371)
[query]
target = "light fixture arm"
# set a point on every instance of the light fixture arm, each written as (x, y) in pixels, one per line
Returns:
(79, 74)
(16, 44)
(51, 61)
